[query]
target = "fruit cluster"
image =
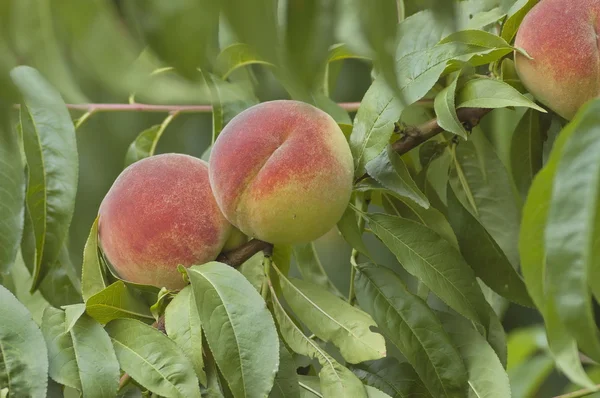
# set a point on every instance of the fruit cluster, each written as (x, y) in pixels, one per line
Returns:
(280, 172)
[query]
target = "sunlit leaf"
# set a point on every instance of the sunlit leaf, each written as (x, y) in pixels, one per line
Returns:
(117, 301)
(239, 329)
(333, 319)
(80, 352)
(152, 359)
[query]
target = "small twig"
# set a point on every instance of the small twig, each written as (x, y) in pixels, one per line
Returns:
(415, 136)
(135, 107)
(580, 393)
(238, 256)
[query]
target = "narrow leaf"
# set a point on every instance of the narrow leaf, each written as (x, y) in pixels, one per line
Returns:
(286, 380)
(484, 255)
(145, 143)
(487, 377)
(311, 268)
(183, 326)
(335, 379)
(239, 329)
(23, 352)
(348, 227)
(236, 56)
(573, 232)
(398, 380)
(483, 186)
(333, 319)
(445, 109)
(389, 170)
(491, 93)
(12, 194)
(533, 256)
(92, 273)
(526, 153)
(431, 259)
(117, 301)
(80, 352)
(408, 322)
(51, 149)
(152, 359)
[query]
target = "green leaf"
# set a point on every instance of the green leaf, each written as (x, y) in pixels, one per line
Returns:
(335, 379)
(430, 217)
(487, 377)
(412, 326)
(435, 262)
(311, 269)
(168, 28)
(396, 379)
(515, 16)
(239, 328)
(254, 271)
(236, 56)
(51, 150)
(145, 143)
(533, 255)
(390, 171)
(526, 153)
(117, 301)
(348, 227)
(380, 109)
(527, 379)
(255, 23)
(523, 343)
(92, 273)
(183, 326)
(379, 24)
(483, 186)
(445, 109)
(572, 232)
(80, 352)
(286, 380)
(484, 255)
(23, 352)
(308, 35)
(21, 280)
(152, 359)
(33, 27)
(490, 93)
(333, 319)
(12, 194)
(341, 51)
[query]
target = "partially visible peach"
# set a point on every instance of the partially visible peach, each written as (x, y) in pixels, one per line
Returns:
(159, 213)
(282, 172)
(562, 37)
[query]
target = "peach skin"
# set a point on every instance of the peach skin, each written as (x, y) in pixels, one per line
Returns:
(159, 213)
(282, 172)
(562, 37)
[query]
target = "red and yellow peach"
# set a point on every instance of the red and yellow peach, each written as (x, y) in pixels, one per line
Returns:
(282, 172)
(159, 213)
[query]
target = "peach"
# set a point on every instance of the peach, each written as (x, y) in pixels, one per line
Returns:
(282, 172)
(562, 38)
(159, 213)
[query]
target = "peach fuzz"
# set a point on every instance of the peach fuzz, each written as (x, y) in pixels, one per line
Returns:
(159, 213)
(562, 37)
(282, 172)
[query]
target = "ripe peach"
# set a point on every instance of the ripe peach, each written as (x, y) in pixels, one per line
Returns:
(562, 37)
(159, 213)
(282, 172)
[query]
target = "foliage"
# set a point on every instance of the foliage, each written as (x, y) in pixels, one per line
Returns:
(437, 242)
